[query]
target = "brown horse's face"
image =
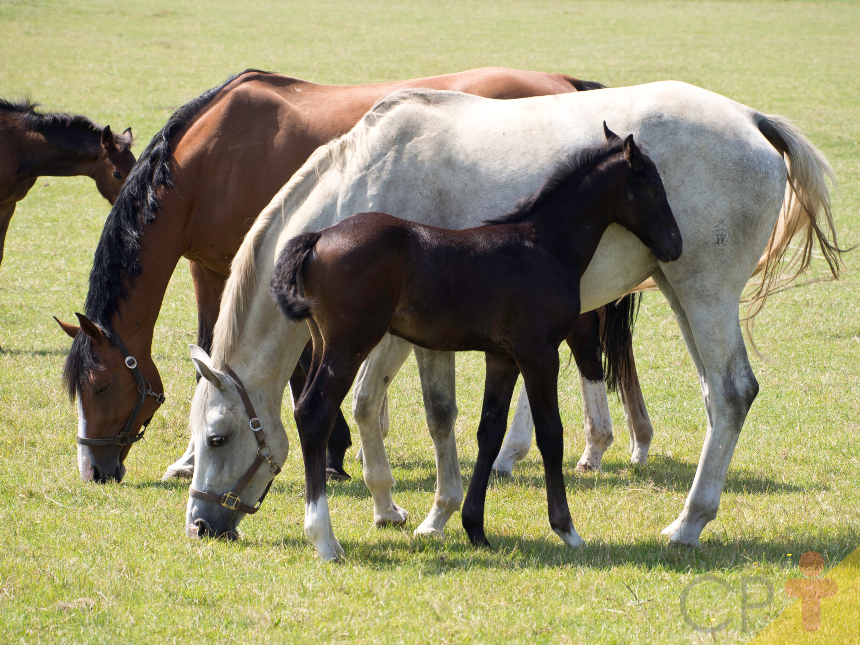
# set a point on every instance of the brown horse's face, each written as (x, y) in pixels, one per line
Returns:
(106, 399)
(114, 164)
(644, 209)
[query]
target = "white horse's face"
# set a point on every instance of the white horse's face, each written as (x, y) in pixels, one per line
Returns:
(224, 450)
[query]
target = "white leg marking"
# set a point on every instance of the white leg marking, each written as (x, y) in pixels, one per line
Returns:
(518, 439)
(571, 539)
(319, 530)
(598, 424)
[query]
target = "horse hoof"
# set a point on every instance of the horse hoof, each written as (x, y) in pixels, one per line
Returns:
(336, 475)
(395, 516)
(479, 539)
(584, 467)
(185, 472)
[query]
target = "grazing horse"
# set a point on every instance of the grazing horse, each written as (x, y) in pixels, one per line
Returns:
(510, 289)
(197, 188)
(741, 185)
(34, 145)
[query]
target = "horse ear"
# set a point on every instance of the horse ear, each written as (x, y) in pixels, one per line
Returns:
(91, 329)
(632, 154)
(204, 367)
(70, 329)
(107, 139)
(609, 134)
(127, 133)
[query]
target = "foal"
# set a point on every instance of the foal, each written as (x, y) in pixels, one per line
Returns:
(510, 289)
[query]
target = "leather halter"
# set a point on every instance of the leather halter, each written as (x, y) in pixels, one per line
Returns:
(231, 499)
(144, 389)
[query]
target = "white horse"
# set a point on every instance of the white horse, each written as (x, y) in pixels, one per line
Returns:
(453, 160)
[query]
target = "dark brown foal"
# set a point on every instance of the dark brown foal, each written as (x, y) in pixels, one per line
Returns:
(510, 289)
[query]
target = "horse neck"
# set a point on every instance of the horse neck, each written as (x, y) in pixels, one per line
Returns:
(162, 244)
(574, 219)
(62, 151)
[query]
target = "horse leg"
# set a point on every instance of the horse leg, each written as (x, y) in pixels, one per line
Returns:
(371, 386)
(208, 286)
(540, 373)
(635, 413)
(440, 408)
(502, 373)
(315, 414)
(383, 423)
(518, 440)
(584, 341)
(713, 337)
(340, 439)
(6, 212)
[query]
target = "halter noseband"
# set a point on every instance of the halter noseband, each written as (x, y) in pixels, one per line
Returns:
(144, 389)
(231, 499)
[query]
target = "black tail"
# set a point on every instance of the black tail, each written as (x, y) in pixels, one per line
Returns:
(616, 339)
(285, 282)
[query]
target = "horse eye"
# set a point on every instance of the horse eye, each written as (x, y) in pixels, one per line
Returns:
(117, 174)
(99, 390)
(217, 441)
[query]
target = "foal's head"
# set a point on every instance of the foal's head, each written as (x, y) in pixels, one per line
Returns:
(114, 163)
(641, 205)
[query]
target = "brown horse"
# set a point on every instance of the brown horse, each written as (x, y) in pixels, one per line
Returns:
(510, 289)
(194, 193)
(34, 145)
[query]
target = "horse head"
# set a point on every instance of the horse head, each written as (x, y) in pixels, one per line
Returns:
(642, 206)
(114, 163)
(238, 451)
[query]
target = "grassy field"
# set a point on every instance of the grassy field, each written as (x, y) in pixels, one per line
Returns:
(87, 563)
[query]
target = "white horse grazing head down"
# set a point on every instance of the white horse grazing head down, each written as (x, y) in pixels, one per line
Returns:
(454, 160)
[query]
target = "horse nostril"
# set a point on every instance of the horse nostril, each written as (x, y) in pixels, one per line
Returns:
(203, 529)
(99, 476)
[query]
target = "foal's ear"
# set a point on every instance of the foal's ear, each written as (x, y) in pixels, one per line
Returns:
(609, 134)
(204, 367)
(632, 154)
(70, 329)
(107, 140)
(91, 329)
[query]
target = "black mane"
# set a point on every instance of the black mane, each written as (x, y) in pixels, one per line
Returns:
(29, 117)
(560, 176)
(116, 257)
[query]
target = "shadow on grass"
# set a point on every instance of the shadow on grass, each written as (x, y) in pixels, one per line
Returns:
(661, 473)
(439, 556)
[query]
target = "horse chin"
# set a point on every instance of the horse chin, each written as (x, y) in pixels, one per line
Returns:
(100, 471)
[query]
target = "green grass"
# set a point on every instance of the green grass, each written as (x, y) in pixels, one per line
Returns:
(120, 551)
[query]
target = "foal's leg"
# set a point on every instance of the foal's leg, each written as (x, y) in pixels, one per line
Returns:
(502, 373)
(339, 440)
(713, 337)
(440, 407)
(315, 414)
(540, 373)
(371, 386)
(584, 341)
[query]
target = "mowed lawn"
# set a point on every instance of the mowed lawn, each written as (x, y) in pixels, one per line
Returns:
(86, 563)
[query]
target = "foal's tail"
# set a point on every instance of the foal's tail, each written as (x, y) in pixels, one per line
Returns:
(616, 339)
(806, 212)
(286, 283)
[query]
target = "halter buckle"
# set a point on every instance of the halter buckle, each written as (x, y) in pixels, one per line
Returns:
(230, 501)
(122, 439)
(130, 362)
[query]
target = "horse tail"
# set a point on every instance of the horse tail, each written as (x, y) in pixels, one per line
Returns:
(806, 212)
(616, 339)
(286, 284)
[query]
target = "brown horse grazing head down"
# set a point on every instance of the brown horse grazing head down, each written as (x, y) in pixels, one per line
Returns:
(509, 289)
